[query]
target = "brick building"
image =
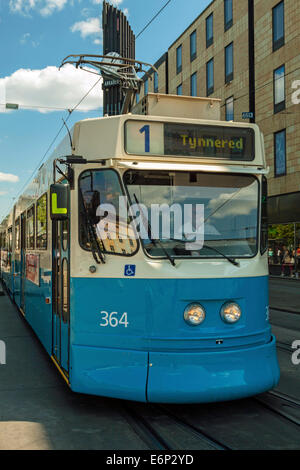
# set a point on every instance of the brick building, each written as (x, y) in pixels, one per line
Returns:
(247, 53)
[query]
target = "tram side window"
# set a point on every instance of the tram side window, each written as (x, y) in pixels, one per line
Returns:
(30, 229)
(9, 247)
(17, 234)
(4, 241)
(114, 232)
(3, 250)
(10, 239)
(41, 223)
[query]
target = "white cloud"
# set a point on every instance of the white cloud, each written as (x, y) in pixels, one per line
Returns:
(48, 7)
(26, 38)
(87, 28)
(44, 7)
(51, 6)
(8, 177)
(2, 193)
(50, 87)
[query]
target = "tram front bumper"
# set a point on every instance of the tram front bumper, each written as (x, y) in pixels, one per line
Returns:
(212, 376)
(163, 377)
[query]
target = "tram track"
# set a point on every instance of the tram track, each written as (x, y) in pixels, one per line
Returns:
(284, 346)
(162, 429)
(281, 404)
(278, 309)
(217, 445)
(285, 397)
(145, 430)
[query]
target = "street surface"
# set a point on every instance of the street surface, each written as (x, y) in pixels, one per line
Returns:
(285, 294)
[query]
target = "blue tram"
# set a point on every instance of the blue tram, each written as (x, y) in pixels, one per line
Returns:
(132, 315)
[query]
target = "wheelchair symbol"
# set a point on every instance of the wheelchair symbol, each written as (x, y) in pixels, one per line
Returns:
(129, 270)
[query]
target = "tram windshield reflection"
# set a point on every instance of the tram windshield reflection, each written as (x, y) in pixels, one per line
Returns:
(230, 211)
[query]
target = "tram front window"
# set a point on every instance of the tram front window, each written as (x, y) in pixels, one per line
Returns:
(101, 188)
(229, 212)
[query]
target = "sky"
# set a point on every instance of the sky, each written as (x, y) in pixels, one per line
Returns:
(35, 36)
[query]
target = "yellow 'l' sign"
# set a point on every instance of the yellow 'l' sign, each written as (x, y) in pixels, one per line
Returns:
(55, 209)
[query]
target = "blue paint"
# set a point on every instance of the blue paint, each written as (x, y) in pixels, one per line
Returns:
(146, 130)
(109, 372)
(212, 376)
(38, 313)
(187, 363)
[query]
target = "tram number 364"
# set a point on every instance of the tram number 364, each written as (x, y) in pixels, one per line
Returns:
(113, 319)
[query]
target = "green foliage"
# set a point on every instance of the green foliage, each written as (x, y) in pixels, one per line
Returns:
(284, 233)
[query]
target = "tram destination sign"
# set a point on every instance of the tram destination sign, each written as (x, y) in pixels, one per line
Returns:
(206, 141)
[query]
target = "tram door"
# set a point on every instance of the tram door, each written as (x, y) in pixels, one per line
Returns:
(60, 293)
(23, 261)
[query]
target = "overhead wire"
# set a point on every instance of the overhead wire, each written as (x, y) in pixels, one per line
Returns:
(152, 19)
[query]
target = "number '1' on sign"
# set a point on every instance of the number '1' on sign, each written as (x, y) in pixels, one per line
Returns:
(146, 130)
(144, 138)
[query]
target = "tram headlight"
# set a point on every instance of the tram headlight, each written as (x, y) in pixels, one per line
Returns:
(194, 314)
(231, 312)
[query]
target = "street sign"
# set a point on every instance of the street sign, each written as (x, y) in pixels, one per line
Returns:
(248, 115)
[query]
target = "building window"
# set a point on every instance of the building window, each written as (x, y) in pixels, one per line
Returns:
(146, 87)
(209, 30)
(137, 98)
(210, 77)
(228, 17)
(229, 109)
(179, 90)
(280, 153)
(279, 89)
(179, 59)
(193, 45)
(278, 26)
(155, 82)
(229, 63)
(194, 84)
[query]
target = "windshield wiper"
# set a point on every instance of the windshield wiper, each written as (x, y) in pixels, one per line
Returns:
(153, 241)
(231, 260)
(208, 247)
(91, 234)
